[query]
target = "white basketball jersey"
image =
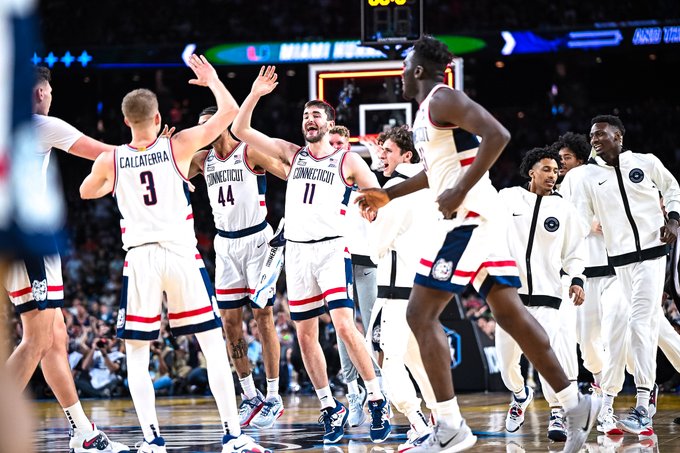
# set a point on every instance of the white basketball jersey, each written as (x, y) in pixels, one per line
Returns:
(152, 196)
(446, 152)
(236, 191)
(316, 197)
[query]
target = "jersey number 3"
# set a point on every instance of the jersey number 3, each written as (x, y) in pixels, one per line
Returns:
(230, 197)
(146, 177)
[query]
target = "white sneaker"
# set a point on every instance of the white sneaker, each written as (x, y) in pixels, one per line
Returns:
(580, 421)
(249, 408)
(241, 444)
(271, 410)
(515, 417)
(557, 430)
(447, 440)
(87, 441)
(414, 438)
(606, 422)
(356, 403)
(155, 446)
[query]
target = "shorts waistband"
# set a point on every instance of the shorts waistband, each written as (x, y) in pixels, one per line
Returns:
(244, 232)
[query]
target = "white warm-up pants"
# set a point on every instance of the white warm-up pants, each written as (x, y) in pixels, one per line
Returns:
(400, 350)
(509, 352)
(642, 284)
(669, 343)
(566, 340)
(589, 324)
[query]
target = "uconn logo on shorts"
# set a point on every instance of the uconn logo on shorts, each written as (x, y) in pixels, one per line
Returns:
(636, 175)
(551, 224)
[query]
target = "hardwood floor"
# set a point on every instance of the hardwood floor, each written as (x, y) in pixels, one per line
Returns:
(192, 425)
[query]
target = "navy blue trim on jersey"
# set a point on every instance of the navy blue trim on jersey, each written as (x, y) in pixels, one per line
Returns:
(244, 232)
(345, 198)
(261, 184)
(214, 323)
(33, 305)
(307, 314)
(120, 330)
(232, 304)
(341, 303)
(464, 140)
(349, 276)
(138, 334)
(187, 192)
(503, 280)
(452, 250)
(35, 268)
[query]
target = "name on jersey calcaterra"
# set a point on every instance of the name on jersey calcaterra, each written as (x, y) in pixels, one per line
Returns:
(143, 160)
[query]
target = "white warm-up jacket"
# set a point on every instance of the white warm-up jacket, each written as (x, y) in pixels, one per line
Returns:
(396, 235)
(545, 236)
(625, 200)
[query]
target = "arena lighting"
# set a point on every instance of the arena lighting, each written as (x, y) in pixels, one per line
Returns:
(67, 59)
(384, 73)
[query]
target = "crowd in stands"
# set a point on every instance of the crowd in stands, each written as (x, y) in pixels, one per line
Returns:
(93, 257)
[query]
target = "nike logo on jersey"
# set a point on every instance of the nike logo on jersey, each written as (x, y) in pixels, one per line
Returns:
(600, 183)
(260, 245)
(516, 215)
(239, 447)
(367, 273)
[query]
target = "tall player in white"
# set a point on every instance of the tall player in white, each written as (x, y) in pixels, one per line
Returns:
(234, 174)
(318, 268)
(35, 284)
(473, 251)
(147, 177)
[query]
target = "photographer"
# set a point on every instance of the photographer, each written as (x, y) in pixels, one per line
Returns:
(104, 362)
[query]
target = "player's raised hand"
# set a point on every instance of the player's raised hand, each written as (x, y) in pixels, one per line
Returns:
(265, 81)
(205, 73)
(167, 131)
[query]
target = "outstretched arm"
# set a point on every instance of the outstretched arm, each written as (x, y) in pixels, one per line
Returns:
(279, 149)
(374, 199)
(100, 180)
(186, 142)
(453, 107)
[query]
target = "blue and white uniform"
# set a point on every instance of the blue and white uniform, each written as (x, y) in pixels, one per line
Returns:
(474, 249)
(237, 199)
(318, 264)
(158, 232)
(36, 282)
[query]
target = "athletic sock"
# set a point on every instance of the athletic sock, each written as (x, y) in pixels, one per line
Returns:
(248, 386)
(77, 418)
(568, 397)
(373, 389)
(325, 397)
(448, 413)
(643, 397)
(272, 388)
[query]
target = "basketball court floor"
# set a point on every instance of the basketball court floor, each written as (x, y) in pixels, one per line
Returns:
(192, 425)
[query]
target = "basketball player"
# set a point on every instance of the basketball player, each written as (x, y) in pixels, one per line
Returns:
(395, 237)
(620, 189)
(318, 268)
(235, 177)
(470, 249)
(17, 145)
(148, 180)
(546, 236)
(365, 286)
(35, 284)
(604, 316)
